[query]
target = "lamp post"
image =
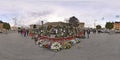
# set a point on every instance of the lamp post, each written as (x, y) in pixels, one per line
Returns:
(95, 23)
(15, 23)
(42, 23)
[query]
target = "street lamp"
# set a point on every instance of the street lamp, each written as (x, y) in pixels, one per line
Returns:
(42, 23)
(95, 23)
(15, 21)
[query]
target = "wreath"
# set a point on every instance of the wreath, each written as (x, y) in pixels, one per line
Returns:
(40, 42)
(46, 44)
(77, 40)
(66, 45)
(73, 41)
(56, 46)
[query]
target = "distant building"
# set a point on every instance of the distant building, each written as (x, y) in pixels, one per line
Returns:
(1, 26)
(14, 28)
(55, 24)
(116, 26)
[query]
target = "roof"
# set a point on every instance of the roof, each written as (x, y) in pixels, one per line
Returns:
(1, 22)
(117, 22)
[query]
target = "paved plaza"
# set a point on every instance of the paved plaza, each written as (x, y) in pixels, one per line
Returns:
(102, 46)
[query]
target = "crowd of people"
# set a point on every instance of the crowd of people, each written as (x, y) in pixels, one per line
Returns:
(24, 32)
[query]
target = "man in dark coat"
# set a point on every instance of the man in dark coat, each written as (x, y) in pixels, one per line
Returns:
(88, 33)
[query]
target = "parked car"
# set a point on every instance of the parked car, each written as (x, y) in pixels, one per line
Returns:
(100, 31)
(117, 31)
(0, 31)
(104, 31)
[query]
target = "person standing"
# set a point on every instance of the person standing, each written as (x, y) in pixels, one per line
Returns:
(84, 33)
(27, 32)
(94, 31)
(21, 31)
(24, 32)
(88, 33)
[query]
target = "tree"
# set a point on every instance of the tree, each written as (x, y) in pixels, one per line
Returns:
(19, 28)
(34, 26)
(109, 25)
(6, 26)
(98, 27)
(74, 21)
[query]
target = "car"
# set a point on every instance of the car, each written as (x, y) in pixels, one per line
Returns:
(0, 31)
(117, 31)
(100, 31)
(104, 31)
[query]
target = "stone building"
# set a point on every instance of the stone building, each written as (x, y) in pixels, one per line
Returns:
(1, 26)
(116, 25)
(55, 24)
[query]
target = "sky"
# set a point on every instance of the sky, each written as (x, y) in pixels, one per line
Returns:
(91, 12)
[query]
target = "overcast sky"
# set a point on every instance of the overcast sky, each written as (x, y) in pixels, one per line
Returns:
(33, 11)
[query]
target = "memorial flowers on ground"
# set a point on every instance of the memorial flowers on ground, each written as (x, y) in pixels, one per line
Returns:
(60, 36)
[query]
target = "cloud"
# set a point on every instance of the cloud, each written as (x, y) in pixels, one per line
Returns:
(33, 11)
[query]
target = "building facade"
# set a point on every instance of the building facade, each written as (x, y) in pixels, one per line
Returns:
(116, 25)
(1, 26)
(55, 24)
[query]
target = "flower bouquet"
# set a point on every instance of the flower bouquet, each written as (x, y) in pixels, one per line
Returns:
(40, 43)
(47, 44)
(66, 45)
(77, 40)
(56, 46)
(73, 41)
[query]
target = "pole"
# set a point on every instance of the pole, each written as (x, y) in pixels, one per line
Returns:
(15, 21)
(42, 23)
(95, 23)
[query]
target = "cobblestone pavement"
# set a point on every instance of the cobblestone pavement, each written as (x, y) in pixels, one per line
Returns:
(13, 46)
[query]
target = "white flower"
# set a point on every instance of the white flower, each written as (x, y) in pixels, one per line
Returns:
(74, 42)
(56, 46)
(40, 42)
(77, 40)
